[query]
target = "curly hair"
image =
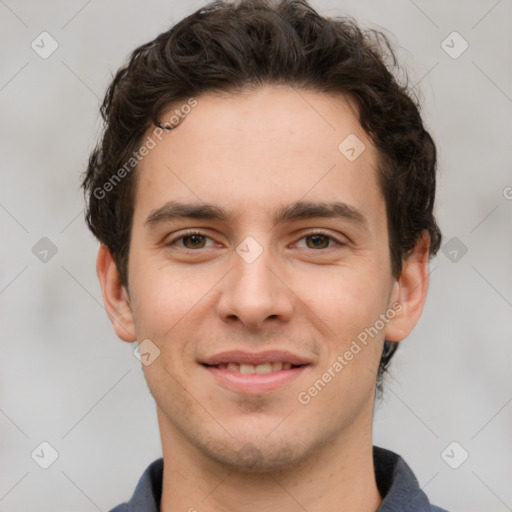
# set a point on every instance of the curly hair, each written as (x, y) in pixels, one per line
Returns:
(240, 45)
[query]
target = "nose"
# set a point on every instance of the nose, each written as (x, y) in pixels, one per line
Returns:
(255, 291)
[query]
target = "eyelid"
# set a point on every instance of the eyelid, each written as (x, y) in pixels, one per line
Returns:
(312, 232)
(187, 232)
(337, 239)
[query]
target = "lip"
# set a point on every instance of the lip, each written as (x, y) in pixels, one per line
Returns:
(254, 384)
(255, 358)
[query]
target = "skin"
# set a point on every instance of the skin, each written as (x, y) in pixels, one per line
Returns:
(249, 154)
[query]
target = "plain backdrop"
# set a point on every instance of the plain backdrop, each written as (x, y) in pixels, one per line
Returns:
(68, 381)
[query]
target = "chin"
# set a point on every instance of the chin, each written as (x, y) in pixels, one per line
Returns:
(259, 456)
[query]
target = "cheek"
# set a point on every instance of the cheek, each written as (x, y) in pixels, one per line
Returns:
(348, 303)
(344, 296)
(172, 305)
(163, 299)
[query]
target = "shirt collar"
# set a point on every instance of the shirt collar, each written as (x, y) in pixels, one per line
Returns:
(397, 484)
(395, 480)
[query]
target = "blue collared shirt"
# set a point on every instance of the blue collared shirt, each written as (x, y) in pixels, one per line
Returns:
(396, 482)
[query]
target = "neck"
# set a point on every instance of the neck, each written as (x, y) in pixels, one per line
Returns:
(339, 476)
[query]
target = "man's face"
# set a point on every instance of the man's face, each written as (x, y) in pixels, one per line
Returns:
(251, 283)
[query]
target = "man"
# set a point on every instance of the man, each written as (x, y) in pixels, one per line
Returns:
(263, 195)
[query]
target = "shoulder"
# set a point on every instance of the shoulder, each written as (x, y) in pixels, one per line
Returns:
(398, 485)
(148, 492)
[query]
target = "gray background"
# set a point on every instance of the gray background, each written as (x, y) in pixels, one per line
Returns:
(65, 377)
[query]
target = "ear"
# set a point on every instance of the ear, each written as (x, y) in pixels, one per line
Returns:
(115, 296)
(410, 291)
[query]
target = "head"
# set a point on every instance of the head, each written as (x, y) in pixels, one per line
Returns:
(248, 107)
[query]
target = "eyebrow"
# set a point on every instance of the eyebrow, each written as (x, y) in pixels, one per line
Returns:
(299, 210)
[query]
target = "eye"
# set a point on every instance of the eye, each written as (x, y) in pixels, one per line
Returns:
(320, 240)
(191, 240)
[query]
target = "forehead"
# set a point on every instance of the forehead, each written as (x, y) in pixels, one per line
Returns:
(282, 113)
(263, 148)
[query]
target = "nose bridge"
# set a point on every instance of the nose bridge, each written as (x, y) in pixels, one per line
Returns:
(253, 292)
(253, 265)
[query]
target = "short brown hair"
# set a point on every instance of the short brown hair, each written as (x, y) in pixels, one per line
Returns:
(240, 45)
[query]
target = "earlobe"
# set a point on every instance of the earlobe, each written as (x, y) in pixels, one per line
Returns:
(115, 296)
(410, 291)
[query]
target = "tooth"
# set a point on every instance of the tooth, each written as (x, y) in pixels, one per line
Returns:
(249, 369)
(246, 369)
(263, 368)
(277, 366)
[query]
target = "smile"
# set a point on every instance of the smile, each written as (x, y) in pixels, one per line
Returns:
(248, 379)
(248, 369)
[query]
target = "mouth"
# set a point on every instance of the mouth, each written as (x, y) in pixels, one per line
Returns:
(255, 374)
(260, 369)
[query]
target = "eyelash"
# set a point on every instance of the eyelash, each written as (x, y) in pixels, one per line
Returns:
(312, 233)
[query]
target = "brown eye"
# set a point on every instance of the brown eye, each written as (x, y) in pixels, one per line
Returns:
(318, 241)
(190, 240)
(193, 241)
